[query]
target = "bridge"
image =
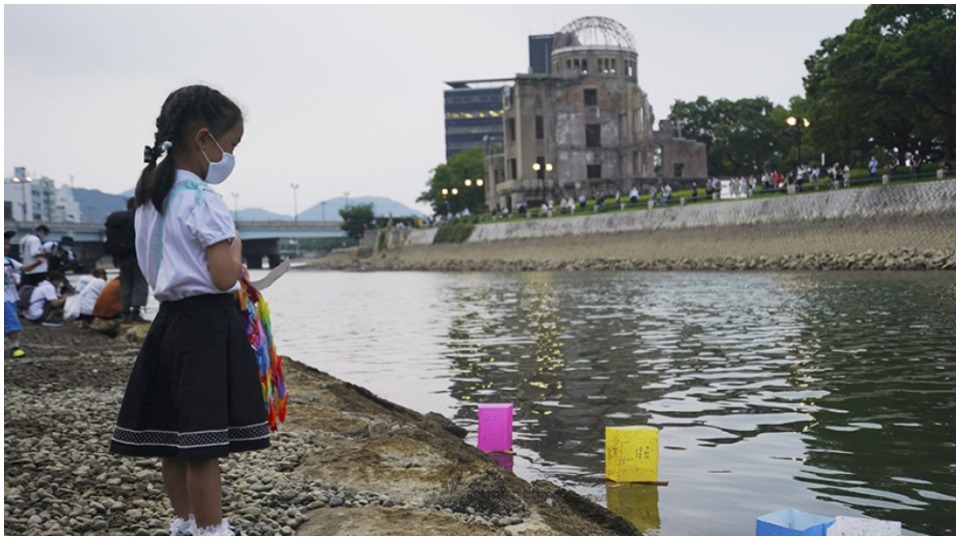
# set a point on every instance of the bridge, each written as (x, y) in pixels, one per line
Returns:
(260, 238)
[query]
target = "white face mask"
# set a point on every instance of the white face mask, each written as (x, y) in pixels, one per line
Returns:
(218, 171)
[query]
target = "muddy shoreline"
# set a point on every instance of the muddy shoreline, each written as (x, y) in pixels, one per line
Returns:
(346, 463)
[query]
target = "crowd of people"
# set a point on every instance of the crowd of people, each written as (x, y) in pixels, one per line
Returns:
(37, 290)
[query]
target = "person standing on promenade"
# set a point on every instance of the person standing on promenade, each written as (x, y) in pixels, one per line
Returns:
(194, 394)
(121, 244)
(11, 321)
(31, 252)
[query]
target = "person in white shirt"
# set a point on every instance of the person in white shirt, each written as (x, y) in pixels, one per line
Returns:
(46, 302)
(31, 252)
(88, 290)
(194, 395)
(11, 275)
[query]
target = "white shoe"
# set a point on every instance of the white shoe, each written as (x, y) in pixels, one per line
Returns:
(181, 527)
(223, 529)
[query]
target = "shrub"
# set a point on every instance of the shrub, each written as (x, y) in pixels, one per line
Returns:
(453, 232)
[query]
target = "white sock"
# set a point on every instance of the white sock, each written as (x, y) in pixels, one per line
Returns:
(223, 529)
(182, 527)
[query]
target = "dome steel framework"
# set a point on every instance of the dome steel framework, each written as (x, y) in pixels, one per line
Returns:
(594, 33)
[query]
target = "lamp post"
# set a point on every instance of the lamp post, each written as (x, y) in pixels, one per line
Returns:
(23, 181)
(295, 188)
(795, 124)
(541, 171)
(236, 213)
(470, 183)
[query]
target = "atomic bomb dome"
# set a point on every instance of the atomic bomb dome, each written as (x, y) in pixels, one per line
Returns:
(594, 33)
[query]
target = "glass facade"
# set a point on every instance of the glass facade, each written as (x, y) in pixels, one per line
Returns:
(470, 114)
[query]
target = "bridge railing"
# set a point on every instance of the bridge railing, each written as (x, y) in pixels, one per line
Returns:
(241, 225)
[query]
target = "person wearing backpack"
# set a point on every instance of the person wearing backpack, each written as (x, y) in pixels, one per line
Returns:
(11, 321)
(121, 243)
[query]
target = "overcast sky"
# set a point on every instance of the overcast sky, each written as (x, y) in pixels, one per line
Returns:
(343, 98)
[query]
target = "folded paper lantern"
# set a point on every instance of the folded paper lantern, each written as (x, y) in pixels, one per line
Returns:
(632, 453)
(495, 432)
(792, 522)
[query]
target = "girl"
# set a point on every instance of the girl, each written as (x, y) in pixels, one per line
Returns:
(194, 394)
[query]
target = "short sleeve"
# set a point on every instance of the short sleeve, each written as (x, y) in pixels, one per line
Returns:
(33, 247)
(49, 293)
(210, 221)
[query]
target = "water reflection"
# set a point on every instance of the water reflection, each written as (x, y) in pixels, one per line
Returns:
(880, 444)
(833, 393)
(720, 360)
(639, 504)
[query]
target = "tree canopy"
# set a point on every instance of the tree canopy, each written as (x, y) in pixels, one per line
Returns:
(357, 219)
(884, 87)
(462, 166)
(888, 82)
(741, 136)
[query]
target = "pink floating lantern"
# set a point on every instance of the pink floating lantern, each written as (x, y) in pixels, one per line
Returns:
(495, 433)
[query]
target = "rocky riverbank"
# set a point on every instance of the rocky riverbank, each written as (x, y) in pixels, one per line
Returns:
(916, 242)
(346, 463)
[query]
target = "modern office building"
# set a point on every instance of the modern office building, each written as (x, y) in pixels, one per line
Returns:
(584, 125)
(472, 112)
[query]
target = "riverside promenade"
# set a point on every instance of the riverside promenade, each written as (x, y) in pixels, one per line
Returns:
(346, 463)
(884, 227)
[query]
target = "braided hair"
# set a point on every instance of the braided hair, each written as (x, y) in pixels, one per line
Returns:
(184, 111)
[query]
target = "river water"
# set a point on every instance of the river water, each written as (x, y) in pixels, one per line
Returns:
(832, 393)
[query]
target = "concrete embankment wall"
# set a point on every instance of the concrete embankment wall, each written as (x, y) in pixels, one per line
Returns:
(897, 202)
(903, 227)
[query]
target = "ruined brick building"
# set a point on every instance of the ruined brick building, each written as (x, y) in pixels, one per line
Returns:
(584, 125)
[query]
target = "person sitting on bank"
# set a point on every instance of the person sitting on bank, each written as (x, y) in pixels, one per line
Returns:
(46, 302)
(89, 289)
(109, 303)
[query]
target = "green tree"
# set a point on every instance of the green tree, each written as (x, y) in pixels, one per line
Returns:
(462, 166)
(888, 81)
(741, 136)
(357, 218)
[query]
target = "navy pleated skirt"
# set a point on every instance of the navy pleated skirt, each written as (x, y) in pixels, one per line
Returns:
(194, 392)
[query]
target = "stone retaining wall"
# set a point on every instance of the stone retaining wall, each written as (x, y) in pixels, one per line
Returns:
(893, 201)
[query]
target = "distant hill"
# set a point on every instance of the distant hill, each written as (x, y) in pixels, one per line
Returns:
(382, 206)
(259, 214)
(96, 205)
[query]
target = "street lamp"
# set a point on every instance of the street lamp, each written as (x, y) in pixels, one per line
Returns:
(541, 171)
(443, 195)
(295, 188)
(236, 214)
(794, 124)
(23, 181)
(470, 183)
